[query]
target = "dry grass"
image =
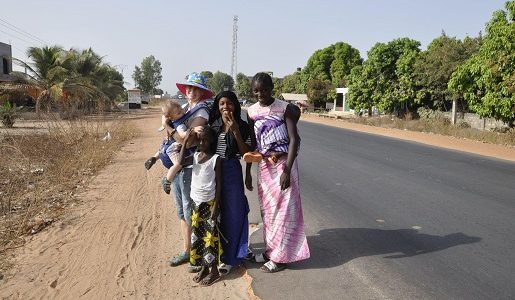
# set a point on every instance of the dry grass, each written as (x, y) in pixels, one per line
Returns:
(442, 127)
(43, 167)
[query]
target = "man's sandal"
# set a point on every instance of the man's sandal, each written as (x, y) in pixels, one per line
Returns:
(271, 267)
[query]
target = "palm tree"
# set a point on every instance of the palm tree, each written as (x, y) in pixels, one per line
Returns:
(66, 77)
(45, 75)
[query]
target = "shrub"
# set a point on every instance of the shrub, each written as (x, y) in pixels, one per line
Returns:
(8, 114)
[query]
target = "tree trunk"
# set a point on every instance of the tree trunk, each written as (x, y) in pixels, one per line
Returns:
(453, 113)
(38, 107)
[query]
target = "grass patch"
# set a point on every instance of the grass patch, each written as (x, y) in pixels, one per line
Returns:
(441, 126)
(43, 167)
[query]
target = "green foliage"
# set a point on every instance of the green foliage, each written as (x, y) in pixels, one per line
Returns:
(243, 87)
(293, 83)
(8, 114)
(148, 77)
(70, 78)
(487, 79)
(331, 65)
(435, 66)
(220, 82)
(317, 91)
(377, 82)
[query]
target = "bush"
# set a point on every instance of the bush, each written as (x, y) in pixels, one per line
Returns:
(8, 114)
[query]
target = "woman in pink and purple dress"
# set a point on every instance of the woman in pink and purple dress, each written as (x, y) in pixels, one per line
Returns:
(275, 125)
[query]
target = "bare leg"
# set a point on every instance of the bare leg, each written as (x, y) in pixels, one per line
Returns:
(173, 171)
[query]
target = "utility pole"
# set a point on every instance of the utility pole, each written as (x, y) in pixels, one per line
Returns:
(234, 59)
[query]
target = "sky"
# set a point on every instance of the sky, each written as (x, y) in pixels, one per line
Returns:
(273, 35)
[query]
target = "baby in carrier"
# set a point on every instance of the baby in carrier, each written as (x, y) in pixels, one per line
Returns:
(173, 121)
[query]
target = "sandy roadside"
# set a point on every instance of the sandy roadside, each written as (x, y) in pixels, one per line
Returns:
(115, 244)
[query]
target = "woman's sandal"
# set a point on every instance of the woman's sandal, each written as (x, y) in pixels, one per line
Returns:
(200, 275)
(271, 267)
(209, 280)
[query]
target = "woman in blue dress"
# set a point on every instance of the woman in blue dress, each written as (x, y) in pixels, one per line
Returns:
(233, 141)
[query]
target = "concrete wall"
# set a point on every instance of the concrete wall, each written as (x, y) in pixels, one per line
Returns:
(477, 122)
(6, 65)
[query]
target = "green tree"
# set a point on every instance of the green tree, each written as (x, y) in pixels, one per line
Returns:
(487, 79)
(293, 83)
(148, 77)
(434, 68)
(332, 64)
(345, 58)
(378, 78)
(317, 91)
(221, 82)
(361, 88)
(65, 78)
(243, 88)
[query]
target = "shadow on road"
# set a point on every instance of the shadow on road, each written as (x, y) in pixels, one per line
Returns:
(337, 246)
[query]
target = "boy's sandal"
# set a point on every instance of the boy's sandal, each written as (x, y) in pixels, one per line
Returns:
(200, 275)
(224, 269)
(271, 267)
(179, 259)
(209, 280)
(194, 269)
(150, 162)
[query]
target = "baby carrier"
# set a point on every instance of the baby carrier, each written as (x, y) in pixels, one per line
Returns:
(163, 156)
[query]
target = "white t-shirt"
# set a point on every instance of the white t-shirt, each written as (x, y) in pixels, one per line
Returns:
(203, 179)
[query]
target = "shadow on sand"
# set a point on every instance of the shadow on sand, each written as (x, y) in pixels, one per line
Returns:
(337, 246)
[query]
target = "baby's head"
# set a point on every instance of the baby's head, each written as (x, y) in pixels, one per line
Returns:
(172, 110)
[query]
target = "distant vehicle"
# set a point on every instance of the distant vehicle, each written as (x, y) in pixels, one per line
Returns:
(134, 98)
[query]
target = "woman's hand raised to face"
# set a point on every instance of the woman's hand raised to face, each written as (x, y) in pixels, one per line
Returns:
(229, 121)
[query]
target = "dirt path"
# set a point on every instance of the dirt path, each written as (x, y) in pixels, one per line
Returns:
(116, 243)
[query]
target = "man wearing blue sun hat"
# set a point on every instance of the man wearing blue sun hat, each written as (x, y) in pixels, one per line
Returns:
(196, 92)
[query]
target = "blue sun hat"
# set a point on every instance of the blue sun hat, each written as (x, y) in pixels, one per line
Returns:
(197, 80)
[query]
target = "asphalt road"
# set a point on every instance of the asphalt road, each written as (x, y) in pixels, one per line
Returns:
(390, 219)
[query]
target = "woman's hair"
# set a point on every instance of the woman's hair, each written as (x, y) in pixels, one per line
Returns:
(263, 78)
(215, 111)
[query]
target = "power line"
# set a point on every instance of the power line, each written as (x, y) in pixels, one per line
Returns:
(23, 32)
(30, 43)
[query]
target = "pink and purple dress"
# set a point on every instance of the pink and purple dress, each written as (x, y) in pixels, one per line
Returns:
(283, 222)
